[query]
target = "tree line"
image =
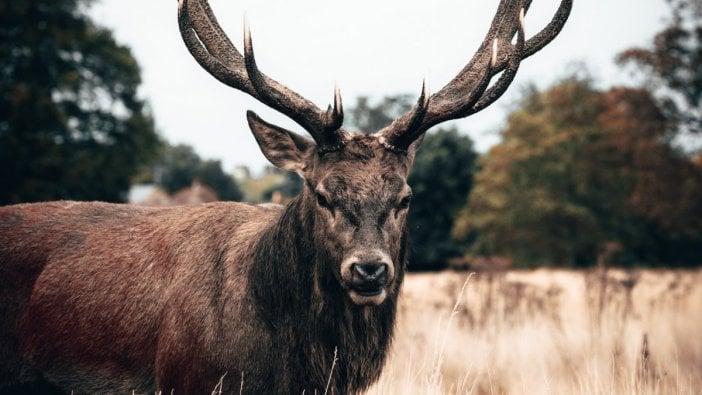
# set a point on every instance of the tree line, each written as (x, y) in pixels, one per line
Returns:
(578, 166)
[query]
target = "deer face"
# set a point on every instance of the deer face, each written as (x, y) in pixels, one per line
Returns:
(358, 197)
(361, 199)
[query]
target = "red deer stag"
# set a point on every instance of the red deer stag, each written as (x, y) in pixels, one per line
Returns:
(100, 297)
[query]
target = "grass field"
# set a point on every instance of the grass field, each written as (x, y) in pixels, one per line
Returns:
(548, 331)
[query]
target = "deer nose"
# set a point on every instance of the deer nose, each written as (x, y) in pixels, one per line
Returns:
(371, 272)
(366, 274)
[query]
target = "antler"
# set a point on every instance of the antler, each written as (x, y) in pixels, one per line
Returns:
(468, 92)
(213, 50)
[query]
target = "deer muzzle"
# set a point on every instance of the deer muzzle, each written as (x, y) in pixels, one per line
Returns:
(366, 275)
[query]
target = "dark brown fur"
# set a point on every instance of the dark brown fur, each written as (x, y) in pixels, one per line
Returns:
(101, 297)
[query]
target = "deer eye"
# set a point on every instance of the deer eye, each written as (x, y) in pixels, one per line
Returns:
(322, 201)
(405, 202)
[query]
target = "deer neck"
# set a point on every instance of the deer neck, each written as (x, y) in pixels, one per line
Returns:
(305, 307)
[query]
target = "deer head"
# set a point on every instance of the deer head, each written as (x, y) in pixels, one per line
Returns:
(355, 184)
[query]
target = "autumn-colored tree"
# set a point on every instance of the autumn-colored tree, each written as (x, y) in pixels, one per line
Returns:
(578, 167)
(666, 185)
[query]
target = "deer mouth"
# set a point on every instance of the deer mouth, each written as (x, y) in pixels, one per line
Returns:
(368, 292)
(366, 274)
(367, 297)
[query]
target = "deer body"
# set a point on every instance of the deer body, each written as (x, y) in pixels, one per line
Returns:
(190, 311)
(228, 296)
(102, 309)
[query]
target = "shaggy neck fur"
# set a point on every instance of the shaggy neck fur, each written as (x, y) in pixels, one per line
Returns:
(310, 316)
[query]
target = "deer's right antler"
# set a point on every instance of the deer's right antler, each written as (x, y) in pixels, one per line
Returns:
(213, 50)
(468, 92)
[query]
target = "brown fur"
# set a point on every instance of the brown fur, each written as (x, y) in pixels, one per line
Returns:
(112, 298)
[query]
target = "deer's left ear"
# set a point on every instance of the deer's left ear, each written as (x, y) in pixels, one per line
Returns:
(283, 148)
(412, 149)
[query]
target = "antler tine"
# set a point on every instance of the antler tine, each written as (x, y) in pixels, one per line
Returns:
(399, 142)
(214, 51)
(323, 127)
(233, 74)
(467, 93)
(495, 44)
(214, 38)
(507, 77)
(548, 33)
(334, 116)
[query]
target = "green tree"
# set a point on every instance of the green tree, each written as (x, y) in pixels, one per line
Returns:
(71, 123)
(178, 166)
(578, 167)
(289, 185)
(441, 178)
(672, 66)
(370, 117)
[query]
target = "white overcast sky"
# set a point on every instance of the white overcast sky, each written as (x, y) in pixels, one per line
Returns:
(370, 47)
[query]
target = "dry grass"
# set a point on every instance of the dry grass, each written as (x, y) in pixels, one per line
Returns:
(548, 331)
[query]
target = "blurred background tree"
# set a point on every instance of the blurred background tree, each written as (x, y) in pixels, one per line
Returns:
(288, 184)
(672, 66)
(71, 123)
(578, 167)
(177, 166)
(441, 178)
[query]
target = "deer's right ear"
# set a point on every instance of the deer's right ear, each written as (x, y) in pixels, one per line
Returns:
(283, 148)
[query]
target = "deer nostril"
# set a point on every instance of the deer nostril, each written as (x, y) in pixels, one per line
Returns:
(370, 271)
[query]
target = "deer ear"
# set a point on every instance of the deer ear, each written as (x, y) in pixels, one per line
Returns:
(412, 150)
(283, 148)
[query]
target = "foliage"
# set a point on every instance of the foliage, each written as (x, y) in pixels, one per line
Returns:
(579, 167)
(673, 65)
(370, 117)
(71, 123)
(288, 184)
(178, 166)
(262, 188)
(441, 178)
